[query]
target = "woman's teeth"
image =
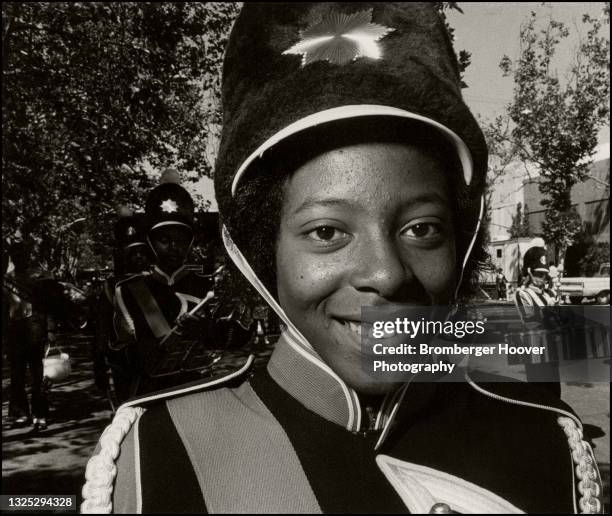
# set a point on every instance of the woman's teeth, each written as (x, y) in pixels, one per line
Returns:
(358, 327)
(355, 327)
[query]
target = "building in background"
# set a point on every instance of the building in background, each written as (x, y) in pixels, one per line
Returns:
(507, 255)
(591, 199)
(519, 184)
(507, 192)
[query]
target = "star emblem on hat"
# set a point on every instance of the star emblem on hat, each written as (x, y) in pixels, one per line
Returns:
(131, 231)
(169, 206)
(543, 260)
(341, 38)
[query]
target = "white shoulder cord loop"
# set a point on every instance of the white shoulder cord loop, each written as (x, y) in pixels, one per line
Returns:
(101, 469)
(589, 485)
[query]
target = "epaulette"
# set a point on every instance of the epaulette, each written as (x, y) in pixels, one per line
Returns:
(120, 303)
(225, 380)
(131, 277)
(586, 476)
(101, 469)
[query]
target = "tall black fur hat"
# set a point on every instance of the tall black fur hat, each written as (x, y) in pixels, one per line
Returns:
(169, 204)
(293, 66)
(130, 231)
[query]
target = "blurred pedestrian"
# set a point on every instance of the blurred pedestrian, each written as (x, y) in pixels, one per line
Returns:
(555, 273)
(6, 299)
(500, 284)
(27, 337)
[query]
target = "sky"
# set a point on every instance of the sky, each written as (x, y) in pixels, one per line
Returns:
(490, 30)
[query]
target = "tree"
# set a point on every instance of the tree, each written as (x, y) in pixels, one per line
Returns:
(586, 255)
(555, 121)
(502, 155)
(90, 92)
(520, 223)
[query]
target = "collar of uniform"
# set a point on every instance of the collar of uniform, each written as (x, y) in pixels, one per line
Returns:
(303, 375)
(537, 290)
(176, 276)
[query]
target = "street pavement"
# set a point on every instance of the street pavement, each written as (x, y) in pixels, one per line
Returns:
(53, 461)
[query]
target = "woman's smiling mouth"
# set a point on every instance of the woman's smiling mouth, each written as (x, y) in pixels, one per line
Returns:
(360, 328)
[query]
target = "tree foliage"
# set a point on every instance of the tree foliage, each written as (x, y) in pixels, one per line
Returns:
(520, 223)
(90, 91)
(556, 119)
(586, 255)
(503, 153)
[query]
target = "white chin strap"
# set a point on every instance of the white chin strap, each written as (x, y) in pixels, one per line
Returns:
(152, 247)
(470, 247)
(244, 267)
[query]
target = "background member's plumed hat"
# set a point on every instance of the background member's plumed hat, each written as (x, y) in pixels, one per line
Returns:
(130, 231)
(535, 259)
(169, 203)
(292, 66)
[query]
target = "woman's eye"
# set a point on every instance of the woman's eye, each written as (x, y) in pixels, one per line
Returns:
(327, 234)
(423, 230)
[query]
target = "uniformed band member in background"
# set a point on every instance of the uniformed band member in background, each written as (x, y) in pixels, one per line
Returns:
(350, 173)
(148, 306)
(532, 300)
(131, 256)
(534, 293)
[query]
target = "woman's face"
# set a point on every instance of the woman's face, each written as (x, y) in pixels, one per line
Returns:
(363, 225)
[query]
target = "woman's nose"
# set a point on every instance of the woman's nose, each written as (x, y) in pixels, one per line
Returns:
(379, 267)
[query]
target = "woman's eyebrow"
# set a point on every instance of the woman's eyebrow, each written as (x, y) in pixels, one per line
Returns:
(311, 202)
(424, 198)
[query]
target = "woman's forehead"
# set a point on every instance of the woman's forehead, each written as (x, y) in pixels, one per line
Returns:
(368, 172)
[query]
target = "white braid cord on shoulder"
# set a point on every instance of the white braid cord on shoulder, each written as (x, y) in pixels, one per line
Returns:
(101, 469)
(589, 485)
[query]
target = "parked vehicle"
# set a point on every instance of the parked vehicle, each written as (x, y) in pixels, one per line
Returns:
(596, 288)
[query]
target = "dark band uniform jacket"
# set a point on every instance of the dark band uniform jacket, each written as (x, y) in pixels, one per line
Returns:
(293, 437)
(147, 307)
